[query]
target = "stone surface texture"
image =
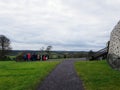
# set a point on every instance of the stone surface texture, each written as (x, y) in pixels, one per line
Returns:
(114, 46)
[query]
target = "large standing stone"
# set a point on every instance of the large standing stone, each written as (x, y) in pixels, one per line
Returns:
(114, 48)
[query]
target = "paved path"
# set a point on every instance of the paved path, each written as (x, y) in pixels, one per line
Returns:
(63, 77)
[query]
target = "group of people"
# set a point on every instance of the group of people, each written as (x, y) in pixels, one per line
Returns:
(35, 57)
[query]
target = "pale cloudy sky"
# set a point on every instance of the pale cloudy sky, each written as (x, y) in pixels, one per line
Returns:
(64, 24)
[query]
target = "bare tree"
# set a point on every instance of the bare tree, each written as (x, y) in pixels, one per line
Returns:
(48, 49)
(4, 46)
(41, 51)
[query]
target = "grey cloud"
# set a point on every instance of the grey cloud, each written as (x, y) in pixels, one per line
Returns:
(65, 24)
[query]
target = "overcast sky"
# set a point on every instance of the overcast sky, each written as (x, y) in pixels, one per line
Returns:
(65, 24)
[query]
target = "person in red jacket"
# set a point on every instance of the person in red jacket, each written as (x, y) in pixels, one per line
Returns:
(44, 58)
(29, 56)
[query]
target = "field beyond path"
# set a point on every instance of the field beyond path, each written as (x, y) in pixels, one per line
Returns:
(63, 77)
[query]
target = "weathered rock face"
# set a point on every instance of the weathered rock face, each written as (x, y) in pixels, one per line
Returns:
(114, 48)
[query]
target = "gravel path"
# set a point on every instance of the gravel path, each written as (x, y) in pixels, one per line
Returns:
(63, 77)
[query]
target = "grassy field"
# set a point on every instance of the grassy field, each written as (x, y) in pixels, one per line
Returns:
(97, 75)
(23, 75)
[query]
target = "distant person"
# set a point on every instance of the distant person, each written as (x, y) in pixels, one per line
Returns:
(29, 56)
(47, 57)
(35, 56)
(44, 58)
(25, 57)
(38, 57)
(32, 57)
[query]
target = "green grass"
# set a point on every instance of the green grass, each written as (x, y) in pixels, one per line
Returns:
(97, 75)
(23, 75)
